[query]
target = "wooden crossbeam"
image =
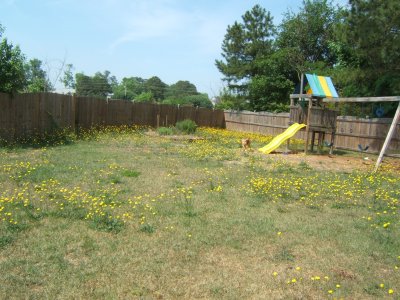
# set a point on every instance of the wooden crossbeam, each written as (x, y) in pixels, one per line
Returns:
(363, 99)
(306, 96)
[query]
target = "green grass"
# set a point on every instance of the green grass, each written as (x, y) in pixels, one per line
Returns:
(119, 214)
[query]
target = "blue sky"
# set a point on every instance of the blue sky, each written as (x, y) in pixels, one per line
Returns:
(172, 39)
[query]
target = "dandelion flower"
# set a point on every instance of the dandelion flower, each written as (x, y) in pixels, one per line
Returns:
(386, 225)
(390, 291)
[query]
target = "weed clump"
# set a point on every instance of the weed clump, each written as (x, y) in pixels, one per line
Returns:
(165, 131)
(186, 126)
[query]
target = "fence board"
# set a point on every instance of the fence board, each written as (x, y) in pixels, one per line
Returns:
(203, 116)
(218, 119)
(186, 112)
(90, 112)
(167, 114)
(119, 112)
(6, 117)
(143, 114)
(55, 112)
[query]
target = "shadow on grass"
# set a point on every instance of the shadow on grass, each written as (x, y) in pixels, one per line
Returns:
(40, 141)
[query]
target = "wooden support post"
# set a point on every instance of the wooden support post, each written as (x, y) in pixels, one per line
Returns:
(332, 141)
(158, 120)
(321, 135)
(388, 137)
(301, 84)
(312, 141)
(308, 125)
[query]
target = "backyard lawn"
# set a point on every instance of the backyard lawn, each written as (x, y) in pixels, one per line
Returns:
(126, 213)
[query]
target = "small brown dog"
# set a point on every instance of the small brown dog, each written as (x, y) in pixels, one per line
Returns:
(246, 144)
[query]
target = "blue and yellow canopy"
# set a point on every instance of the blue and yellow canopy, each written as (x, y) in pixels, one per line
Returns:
(320, 86)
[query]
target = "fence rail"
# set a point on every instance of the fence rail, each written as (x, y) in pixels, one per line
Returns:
(350, 131)
(29, 114)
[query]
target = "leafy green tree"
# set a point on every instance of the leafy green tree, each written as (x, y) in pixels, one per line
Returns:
(243, 45)
(129, 88)
(308, 35)
(68, 77)
(371, 33)
(230, 100)
(99, 85)
(373, 30)
(156, 87)
(144, 97)
(175, 101)
(270, 88)
(36, 78)
(180, 89)
(12, 73)
(199, 100)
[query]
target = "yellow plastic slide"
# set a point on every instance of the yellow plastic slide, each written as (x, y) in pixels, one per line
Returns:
(279, 139)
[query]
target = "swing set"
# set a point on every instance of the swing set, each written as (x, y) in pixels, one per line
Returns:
(319, 119)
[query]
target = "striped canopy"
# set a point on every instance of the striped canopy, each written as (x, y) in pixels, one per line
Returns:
(320, 86)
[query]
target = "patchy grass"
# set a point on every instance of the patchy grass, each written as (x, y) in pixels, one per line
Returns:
(118, 214)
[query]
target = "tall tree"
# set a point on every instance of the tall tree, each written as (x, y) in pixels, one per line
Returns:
(129, 88)
(36, 78)
(180, 89)
(308, 36)
(12, 73)
(243, 44)
(372, 33)
(156, 87)
(269, 90)
(199, 100)
(99, 85)
(373, 29)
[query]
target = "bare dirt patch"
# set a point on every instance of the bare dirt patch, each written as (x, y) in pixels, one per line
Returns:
(340, 163)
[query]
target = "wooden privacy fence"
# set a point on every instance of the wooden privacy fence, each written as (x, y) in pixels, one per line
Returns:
(29, 114)
(350, 131)
(38, 113)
